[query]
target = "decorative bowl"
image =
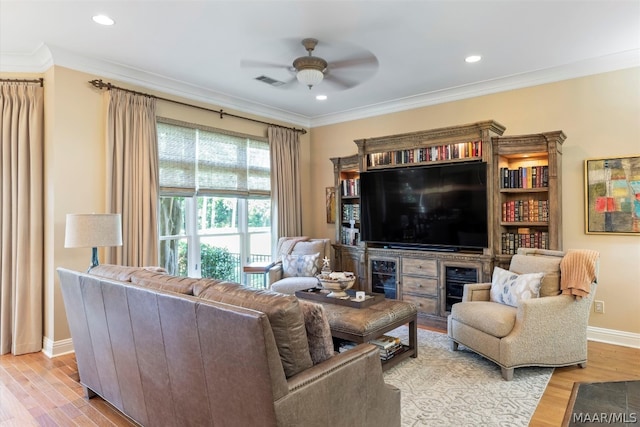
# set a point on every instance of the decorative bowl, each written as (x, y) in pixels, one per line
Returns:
(337, 283)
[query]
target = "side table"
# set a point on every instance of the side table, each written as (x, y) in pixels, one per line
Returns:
(259, 267)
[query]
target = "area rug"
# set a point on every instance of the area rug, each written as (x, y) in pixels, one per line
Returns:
(611, 403)
(446, 388)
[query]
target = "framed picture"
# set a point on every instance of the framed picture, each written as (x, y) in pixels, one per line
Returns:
(331, 205)
(612, 195)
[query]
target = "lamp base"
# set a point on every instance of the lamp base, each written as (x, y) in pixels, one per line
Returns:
(94, 259)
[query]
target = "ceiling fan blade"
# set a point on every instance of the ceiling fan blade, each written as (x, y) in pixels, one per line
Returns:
(363, 61)
(249, 63)
(339, 82)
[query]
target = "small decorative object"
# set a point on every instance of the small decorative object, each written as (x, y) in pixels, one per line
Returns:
(612, 195)
(326, 269)
(337, 283)
(360, 296)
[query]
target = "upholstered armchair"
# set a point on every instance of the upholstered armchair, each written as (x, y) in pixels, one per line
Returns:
(299, 260)
(518, 328)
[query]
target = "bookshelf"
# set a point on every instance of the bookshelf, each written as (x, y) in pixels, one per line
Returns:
(528, 177)
(348, 250)
(427, 154)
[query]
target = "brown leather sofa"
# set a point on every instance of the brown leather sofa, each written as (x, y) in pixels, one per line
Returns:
(169, 350)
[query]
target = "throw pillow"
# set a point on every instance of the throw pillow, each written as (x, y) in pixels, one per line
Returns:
(510, 288)
(300, 265)
(318, 331)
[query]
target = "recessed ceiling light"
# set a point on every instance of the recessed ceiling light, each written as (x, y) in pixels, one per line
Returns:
(473, 58)
(103, 20)
(321, 97)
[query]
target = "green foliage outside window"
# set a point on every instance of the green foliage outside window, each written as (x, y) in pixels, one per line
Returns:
(216, 263)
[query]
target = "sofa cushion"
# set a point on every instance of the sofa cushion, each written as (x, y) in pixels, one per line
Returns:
(284, 314)
(510, 288)
(299, 265)
(123, 273)
(318, 331)
(185, 288)
(489, 317)
(549, 265)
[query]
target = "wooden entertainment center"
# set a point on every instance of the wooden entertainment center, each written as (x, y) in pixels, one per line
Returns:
(523, 210)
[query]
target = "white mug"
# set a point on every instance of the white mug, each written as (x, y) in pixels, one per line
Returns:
(359, 295)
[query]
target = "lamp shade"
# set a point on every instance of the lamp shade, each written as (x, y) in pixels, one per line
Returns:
(93, 230)
(309, 76)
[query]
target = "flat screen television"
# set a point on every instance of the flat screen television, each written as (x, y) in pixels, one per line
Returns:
(435, 207)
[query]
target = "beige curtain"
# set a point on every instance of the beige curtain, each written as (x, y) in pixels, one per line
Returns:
(22, 217)
(132, 176)
(286, 198)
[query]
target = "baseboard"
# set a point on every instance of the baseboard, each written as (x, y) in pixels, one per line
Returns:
(53, 349)
(611, 336)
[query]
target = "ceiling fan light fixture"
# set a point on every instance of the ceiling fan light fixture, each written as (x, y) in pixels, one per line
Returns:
(309, 76)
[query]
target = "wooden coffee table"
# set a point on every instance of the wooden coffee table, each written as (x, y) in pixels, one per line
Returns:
(362, 325)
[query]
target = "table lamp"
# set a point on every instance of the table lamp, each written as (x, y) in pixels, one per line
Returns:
(93, 231)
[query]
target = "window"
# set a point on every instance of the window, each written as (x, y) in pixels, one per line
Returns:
(215, 206)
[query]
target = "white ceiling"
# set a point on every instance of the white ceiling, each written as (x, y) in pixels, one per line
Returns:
(202, 49)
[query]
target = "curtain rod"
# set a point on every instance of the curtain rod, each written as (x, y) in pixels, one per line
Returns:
(39, 81)
(102, 85)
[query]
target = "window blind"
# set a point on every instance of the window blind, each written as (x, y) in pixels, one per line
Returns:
(206, 161)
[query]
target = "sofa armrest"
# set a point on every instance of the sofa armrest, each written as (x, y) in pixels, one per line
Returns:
(275, 273)
(356, 373)
(476, 292)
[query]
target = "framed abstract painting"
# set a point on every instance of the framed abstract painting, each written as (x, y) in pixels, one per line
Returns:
(612, 195)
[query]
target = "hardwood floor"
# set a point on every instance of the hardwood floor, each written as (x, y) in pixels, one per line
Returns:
(38, 391)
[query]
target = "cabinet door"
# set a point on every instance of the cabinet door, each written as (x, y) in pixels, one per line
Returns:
(384, 276)
(352, 261)
(455, 277)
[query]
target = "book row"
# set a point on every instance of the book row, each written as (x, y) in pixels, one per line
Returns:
(351, 212)
(350, 236)
(462, 150)
(524, 239)
(525, 211)
(351, 187)
(525, 177)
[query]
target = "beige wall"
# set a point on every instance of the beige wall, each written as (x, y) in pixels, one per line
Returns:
(601, 117)
(599, 114)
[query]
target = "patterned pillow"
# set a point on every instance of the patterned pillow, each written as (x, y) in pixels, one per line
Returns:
(510, 288)
(300, 265)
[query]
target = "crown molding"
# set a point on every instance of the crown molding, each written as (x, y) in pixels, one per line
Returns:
(38, 61)
(49, 55)
(603, 64)
(46, 56)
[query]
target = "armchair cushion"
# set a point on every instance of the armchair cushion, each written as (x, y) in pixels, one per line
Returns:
(298, 265)
(540, 260)
(494, 319)
(289, 285)
(510, 288)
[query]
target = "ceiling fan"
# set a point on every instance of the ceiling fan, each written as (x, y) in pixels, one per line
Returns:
(311, 70)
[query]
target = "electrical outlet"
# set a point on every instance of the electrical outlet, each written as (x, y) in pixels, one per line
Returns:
(598, 307)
